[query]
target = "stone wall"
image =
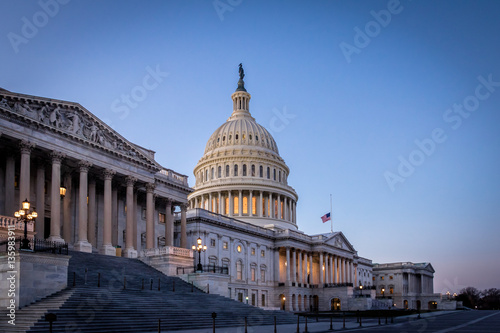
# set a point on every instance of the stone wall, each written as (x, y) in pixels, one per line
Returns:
(35, 275)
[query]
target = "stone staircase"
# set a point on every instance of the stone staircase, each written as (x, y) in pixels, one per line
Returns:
(98, 302)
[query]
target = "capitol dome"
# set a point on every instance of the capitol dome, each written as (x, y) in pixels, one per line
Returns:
(241, 173)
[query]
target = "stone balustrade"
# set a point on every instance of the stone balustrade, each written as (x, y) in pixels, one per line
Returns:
(8, 221)
(171, 250)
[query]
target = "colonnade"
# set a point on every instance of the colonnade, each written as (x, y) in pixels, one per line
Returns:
(254, 203)
(86, 199)
(310, 268)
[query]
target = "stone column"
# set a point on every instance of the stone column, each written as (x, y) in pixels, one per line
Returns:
(277, 265)
(92, 218)
(183, 226)
(285, 208)
(169, 224)
(294, 266)
(279, 207)
(210, 203)
(287, 266)
(133, 211)
(250, 204)
(150, 207)
(294, 212)
(106, 247)
(300, 266)
(260, 204)
(311, 270)
(10, 178)
(335, 270)
(114, 217)
(327, 268)
(40, 200)
(130, 252)
(55, 198)
(330, 258)
(304, 278)
(321, 271)
(82, 243)
(231, 204)
(270, 206)
(66, 223)
(24, 180)
(219, 204)
(240, 203)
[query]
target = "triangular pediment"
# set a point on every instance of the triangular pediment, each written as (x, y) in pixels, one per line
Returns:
(338, 240)
(71, 120)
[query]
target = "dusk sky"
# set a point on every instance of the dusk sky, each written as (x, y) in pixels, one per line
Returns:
(390, 106)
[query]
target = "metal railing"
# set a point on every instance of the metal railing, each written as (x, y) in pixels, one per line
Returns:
(36, 245)
(206, 269)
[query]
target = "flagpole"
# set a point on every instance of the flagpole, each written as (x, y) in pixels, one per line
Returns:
(331, 217)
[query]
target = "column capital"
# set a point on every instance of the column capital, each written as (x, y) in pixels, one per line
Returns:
(26, 147)
(168, 201)
(130, 181)
(184, 207)
(57, 156)
(108, 174)
(150, 187)
(84, 166)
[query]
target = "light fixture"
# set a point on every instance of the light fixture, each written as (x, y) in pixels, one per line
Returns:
(25, 215)
(62, 191)
(200, 248)
(26, 204)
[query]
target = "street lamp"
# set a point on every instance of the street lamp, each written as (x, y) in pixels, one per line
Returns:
(200, 248)
(25, 214)
(361, 289)
(383, 291)
(62, 192)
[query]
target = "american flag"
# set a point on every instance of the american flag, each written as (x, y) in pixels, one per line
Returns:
(325, 217)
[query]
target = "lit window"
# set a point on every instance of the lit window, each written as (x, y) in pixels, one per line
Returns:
(212, 242)
(263, 253)
(224, 245)
(390, 277)
(245, 205)
(236, 206)
(262, 276)
(252, 272)
(239, 270)
(238, 248)
(382, 278)
(161, 218)
(253, 251)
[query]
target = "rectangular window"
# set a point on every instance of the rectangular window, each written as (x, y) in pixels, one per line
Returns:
(227, 206)
(212, 242)
(254, 205)
(161, 218)
(263, 253)
(236, 206)
(245, 205)
(262, 276)
(144, 213)
(224, 245)
(252, 271)
(263, 303)
(253, 251)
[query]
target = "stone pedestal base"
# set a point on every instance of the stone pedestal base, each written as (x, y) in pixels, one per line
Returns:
(130, 253)
(108, 250)
(83, 246)
(56, 239)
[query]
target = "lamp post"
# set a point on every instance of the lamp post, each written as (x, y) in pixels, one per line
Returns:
(361, 289)
(25, 214)
(199, 248)
(383, 291)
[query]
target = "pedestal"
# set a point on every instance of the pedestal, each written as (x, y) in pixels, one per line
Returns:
(83, 246)
(108, 250)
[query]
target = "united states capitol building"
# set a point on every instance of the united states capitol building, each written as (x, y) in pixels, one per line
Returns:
(100, 193)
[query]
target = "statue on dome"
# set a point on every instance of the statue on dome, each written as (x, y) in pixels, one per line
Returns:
(242, 72)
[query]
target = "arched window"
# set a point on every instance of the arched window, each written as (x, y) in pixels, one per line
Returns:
(244, 170)
(236, 206)
(279, 175)
(212, 174)
(206, 175)
(236, 170)
(253, 170)
(201, 176)
(261, 171)
(239, 270)
(245, 205)
(227, 170)
(268, 173)
(219, 172)
(274, 174)
(225, 265)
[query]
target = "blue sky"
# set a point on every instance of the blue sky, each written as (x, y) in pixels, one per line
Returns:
(345, 89)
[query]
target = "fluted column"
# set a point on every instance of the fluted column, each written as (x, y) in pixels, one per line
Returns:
(183, 226)
(285, 208)
(106, 247)
(169, 224)
(304, 279)
(299, 255)
(67, 226)
(270, 206)
(231, 203)
(219, 203)
(279, 207)
(55, 199)
(311, 268)
(240, 203)
(210, 203)
(40, 200)
(260, 204)
(287, 266)
(250, 204)
(10, 178)
(82, 243)
(24, 180)
(150, 208)
(294, 266)
(130, 252)
(321, 271)
(91, 235)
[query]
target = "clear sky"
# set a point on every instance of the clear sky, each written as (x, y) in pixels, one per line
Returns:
(390, 106)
